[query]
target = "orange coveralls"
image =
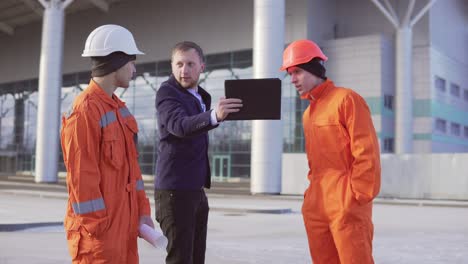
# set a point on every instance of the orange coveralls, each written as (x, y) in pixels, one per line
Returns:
(106, 191)
(344, 174)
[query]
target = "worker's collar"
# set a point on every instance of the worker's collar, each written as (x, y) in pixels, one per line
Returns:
(317, 91)
(115, 102)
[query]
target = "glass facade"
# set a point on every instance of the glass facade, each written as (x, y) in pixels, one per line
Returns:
(230, 143)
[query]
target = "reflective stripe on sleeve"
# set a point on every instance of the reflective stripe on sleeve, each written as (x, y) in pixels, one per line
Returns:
(140, 185)
(89, 206)
(124, 112)
(107, 119)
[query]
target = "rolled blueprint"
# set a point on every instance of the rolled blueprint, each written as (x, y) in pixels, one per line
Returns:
(152, 236)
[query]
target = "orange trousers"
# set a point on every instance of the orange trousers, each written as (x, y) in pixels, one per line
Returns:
(86, 249)
(339, 229)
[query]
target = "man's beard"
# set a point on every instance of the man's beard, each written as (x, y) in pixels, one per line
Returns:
(191, 84)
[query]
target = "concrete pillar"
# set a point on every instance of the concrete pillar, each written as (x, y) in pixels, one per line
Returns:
(50, 85)
(267, 136)
(404, 92)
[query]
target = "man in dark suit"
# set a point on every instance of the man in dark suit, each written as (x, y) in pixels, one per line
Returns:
(182, 169)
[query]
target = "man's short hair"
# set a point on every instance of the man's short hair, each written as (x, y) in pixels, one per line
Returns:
(187, 45)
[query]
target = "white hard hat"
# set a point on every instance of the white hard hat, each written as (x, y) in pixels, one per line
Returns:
(110, 38)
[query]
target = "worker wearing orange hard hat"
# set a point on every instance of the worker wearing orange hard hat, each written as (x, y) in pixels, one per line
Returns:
(107, 201)
(344, 161)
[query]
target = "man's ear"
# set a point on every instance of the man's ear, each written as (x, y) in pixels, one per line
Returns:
(202, 67)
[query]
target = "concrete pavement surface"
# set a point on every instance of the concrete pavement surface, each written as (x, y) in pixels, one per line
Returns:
(245, 229)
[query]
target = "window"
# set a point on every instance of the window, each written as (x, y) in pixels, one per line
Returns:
(466, 131)
(455, 129)
(388, 101)
(441, 125)
(454, 90)
(440, 84)
(465, 94)
(388, 144)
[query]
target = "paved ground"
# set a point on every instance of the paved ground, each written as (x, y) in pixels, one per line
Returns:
(247, 229)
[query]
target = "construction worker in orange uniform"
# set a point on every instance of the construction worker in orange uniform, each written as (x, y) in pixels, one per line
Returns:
(107, 201)
(344, 161)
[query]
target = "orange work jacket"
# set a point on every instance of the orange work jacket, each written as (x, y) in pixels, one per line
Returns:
(341, 141)
(106, 191)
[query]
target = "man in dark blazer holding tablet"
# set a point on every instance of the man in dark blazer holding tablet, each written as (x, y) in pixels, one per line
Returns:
(184, 117)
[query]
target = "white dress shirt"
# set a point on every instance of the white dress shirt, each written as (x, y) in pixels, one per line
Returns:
(195, 93)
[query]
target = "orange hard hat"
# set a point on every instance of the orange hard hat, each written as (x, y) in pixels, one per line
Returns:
(301, 51)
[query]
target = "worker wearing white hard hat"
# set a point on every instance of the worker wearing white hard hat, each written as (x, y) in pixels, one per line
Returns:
(107, 201)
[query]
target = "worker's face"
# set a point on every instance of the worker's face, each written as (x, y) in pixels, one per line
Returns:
(125, 74)
(186, 67)
(303, 80)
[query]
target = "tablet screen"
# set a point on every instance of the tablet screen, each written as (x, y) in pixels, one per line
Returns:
(261, 98)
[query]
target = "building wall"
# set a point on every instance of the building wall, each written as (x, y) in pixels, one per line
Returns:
(416, 176)
(20, 53)
(430, 103)
(365, 65)
(321, 22)
(355, 63)
(425, 176)
(387, 62)
(449, 21)
(449, 61)
(447, 106)
(422, 94)
(296, 17)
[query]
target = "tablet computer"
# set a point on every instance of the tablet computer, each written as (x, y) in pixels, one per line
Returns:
(261, 98)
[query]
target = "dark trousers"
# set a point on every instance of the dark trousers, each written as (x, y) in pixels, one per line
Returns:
(183, 218)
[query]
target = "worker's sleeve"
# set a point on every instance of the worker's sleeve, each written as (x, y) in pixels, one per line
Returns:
(143, 202)
(172, 113)
(365, 171)
(81, 146)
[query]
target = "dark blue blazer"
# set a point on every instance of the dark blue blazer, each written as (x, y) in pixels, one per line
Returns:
(182, 160)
